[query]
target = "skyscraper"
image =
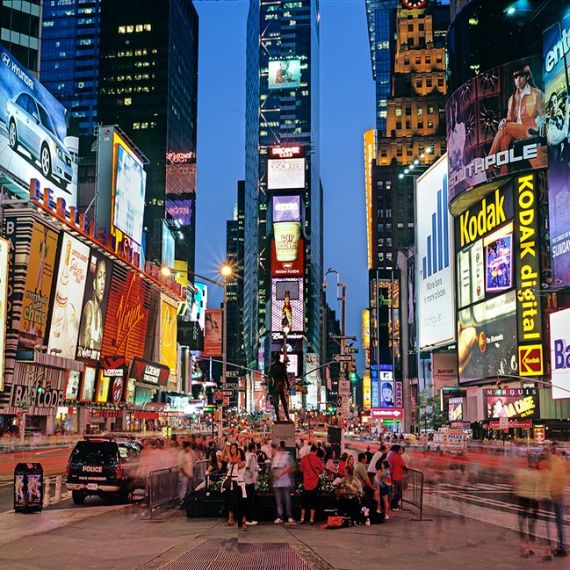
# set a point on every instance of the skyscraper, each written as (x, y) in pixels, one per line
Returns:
(20, 30)
(283, 203)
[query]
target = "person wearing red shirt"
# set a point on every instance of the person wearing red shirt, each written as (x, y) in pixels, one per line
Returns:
(397, 468)
(311, 467)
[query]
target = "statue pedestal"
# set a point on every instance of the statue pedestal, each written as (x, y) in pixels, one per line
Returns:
(283, 431)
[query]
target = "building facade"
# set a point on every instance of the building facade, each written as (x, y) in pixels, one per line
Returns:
(283, 202)
(20, 31)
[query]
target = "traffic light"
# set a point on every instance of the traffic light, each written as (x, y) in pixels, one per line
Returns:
(352, 374)
(40, 389)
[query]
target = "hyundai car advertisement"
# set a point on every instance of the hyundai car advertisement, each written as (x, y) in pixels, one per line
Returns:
(34, 139)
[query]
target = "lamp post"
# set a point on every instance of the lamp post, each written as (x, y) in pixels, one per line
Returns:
(226, 271)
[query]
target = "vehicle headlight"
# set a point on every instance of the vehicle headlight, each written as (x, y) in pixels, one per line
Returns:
(57, 150)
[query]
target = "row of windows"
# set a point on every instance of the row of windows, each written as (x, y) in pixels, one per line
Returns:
(132, 53)
(134, 29)
(122, 90)
(409, 126)
(418, 59)
(143, 126)
(419, 110)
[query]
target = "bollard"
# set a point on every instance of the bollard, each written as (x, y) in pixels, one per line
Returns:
(58, 482)
(47, 490)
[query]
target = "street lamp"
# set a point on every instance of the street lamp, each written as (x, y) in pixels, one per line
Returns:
(226, 270)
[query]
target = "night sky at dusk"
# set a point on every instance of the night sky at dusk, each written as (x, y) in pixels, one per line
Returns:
(347, 110)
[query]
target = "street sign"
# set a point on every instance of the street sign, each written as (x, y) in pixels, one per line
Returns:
(228, 393)
(344, 388)
(351, 350)
(342, 358)
(504, 423)
(232, 373)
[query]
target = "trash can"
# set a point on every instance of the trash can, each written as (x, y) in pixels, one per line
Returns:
(28, 487)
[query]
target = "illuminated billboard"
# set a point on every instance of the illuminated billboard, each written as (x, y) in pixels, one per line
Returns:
(34, 142)
(4, 270)
(198, 305)
(129, 185)
(168, 331)
(37, 290)
(213, 334)
(285, 174)
(72, 386)
(88, 384)
(283, 292)
(94, 307)
(511, 403)
(498, 256)
(284, 74)
(560, 353)
(180, 210)
(289, 268)
(287, 236)
(557, 91)
(66, 315)
(168, 246)
(487, 339)
(470, 275)
(180, 173)
(434, 238)
(286, 208)
(366, 389)
(490, 132)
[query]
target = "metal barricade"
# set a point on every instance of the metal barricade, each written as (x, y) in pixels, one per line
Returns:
(161, 487)
(413, 490)
(200, 471)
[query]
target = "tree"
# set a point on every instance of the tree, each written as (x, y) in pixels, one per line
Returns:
(429, 412)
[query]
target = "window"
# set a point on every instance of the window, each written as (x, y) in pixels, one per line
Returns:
(430, 109)
(420, 125)
(430, 125)
(398, 125)
(410, 27)
(428, 82)
(419, 83)
(440, 82)
(418, 60)
(408, 124)
(420, 111)
(421, 27)
(408, 110)
(406, 61)
(398, 111)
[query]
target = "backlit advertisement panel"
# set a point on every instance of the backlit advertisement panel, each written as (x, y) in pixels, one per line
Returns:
(71, 277)
(180, 209)
(292, 268)
(560, 354)
(129, 179)
(286, 208)
(180, 172)
(4, 270)
(199, 304)
(37, 290)
(455, 409)
(557, 91)
(434, 238)
(168, 246)
(287, 236)
(214, 333)
(494, 125)
(366, 389)
(499, 260)
(88, 384)
(443, 369)
(279, 288)
(512, 403)
(72, 386)
(126, 322)
(94, 307)
(168, 331)
(487, 339)
(470, 275)
(284, 74)
(285, 173)
(34, 141)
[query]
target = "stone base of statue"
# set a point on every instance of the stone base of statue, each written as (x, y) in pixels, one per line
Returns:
(283, 431)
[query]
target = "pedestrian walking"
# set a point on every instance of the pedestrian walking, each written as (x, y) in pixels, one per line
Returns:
(250, 477)
(397, 469)
(185, 462)
(282, 473)
(526, 485)
(556, 485)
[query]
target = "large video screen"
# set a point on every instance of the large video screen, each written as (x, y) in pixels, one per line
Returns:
(487, 339)
(295, 288)
(285, 173)
(557, 91)
(34, 137)
(129, 191)
(94, 307)
(490, 134)
(284, 74)
(68, 301)
(499, 260)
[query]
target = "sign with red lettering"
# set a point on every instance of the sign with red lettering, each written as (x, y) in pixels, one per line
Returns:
(149, 372)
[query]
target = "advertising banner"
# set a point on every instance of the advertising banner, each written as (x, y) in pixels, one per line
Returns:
(557, 92)
(366, 389)
(214, 332)
(494, 125)
(434, 238)
(149, 372)
(455, 409)
(71, 277)
(487, 339)
(180, 209)
(4, 270)
(129, 179)
(180, 172)
(511, 403)
(287, 236)
(279, 289)
(37, 290)
(386, 390)
(529, 308)
(127, 316)
(34, 141)
(294, 268)
(443, 369)
(94, 307)
(470, 275)
(168, 331)
(286, 208)
(72, 387)
(88, 384)
(284, 74)
(560, 354)
(313, 379)
(286, 174)
(498, 257)
(199, 304)
(168, 246)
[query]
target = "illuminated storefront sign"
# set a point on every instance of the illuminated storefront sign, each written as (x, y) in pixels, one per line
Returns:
(529, 315)
(560, 354)
(387, 414)
(512, 403)
(149, 372)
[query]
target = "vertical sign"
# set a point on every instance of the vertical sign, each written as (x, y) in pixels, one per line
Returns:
(4, 267)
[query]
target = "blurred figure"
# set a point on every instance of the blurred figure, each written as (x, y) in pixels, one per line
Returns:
(282, 472)
(397, 467)
(250, 477)
(527, 484)
(556, 486)
(185, 471)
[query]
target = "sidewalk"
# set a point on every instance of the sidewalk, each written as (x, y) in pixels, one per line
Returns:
(117, 538)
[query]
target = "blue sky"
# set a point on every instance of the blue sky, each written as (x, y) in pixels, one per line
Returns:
(347, 110)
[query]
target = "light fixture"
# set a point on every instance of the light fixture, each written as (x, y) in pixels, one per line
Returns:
(406, 171)
(510, 10)
(226, 270)
(400, 176)
(428, 150)
(416, 161)
(412, 166)
(165, 270)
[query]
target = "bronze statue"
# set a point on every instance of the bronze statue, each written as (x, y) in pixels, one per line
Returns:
(278, 382)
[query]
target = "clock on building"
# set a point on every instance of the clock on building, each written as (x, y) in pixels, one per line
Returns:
(414, 4)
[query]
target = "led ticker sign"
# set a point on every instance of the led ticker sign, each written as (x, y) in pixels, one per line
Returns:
(529, 317)
(286, 152)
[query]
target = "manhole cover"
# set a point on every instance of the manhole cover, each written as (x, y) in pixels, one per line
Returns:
(215, 554)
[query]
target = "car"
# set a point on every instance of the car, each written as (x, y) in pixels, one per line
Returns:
(103, 466)
(30, 126)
